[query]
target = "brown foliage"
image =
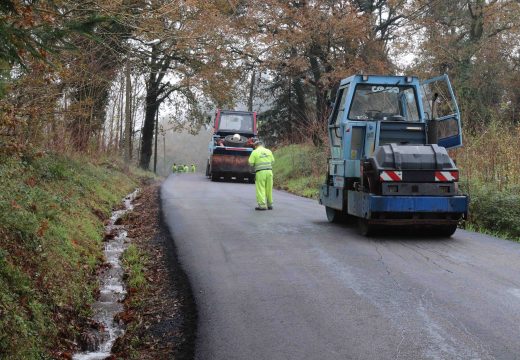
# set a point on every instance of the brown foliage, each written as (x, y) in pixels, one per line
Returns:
(473, 41)
(197, 54)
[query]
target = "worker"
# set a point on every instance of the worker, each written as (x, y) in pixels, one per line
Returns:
(174, 168)
(186, 168)
(262, 160)
(192, 168)
(180, 168)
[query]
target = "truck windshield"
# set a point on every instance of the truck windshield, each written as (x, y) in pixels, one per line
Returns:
(384, 102)
(236, 122)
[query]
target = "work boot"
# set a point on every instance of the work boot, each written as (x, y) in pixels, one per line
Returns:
(269, 207)
(260, 208)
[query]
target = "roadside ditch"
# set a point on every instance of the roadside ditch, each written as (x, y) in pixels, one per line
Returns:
(159, 309)
(144, 308)
(97, 341)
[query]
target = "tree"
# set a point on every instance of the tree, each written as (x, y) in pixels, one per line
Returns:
(183, 50)
(306, 47)
(71, 51)
(472, 41)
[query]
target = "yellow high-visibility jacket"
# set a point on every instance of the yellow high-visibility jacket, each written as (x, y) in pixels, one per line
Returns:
(261, 159)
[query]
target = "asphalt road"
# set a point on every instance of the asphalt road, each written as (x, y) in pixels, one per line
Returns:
(285, 284)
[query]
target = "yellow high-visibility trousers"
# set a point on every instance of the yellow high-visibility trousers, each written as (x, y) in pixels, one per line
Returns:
(264, 188)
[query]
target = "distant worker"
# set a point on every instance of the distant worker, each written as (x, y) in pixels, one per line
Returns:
(174, 168)
(192, 168)
(186, 168)
(262, 160)
(180, 168)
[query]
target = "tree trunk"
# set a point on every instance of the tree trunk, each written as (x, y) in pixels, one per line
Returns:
(301, 106)
(320, 102)
(155, 143)
(148, 127)
(111, 120)
(128, 116)
(251, 91)
(120, 145)
(134, 122)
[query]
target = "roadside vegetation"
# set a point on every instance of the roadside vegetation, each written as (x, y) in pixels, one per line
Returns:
(300, 169)
(490, 168)
(52, 210)
(134, 263)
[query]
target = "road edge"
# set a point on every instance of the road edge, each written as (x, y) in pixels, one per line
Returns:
(189, 307)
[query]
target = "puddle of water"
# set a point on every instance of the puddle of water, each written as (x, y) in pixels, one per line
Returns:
(112, 290)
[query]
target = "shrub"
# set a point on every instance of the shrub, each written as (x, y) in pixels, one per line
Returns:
(493, 210)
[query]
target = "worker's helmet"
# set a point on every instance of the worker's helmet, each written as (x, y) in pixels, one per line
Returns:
(236, 137)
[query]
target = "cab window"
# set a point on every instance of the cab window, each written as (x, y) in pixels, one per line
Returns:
(384, 102)
(236, 122)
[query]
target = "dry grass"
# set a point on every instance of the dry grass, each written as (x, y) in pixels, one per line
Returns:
(490, 156)
(490, 175)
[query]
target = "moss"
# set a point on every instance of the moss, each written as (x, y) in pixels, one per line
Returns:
(23, 318)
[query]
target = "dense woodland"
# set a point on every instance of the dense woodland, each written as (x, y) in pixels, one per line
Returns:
(91, 76)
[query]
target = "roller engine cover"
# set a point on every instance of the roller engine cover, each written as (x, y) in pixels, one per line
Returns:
(411, 157)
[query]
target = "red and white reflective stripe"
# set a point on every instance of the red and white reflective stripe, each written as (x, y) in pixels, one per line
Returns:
(446, 176)
(391, 176)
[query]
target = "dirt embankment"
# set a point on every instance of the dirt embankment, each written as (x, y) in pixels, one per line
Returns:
(159, 309)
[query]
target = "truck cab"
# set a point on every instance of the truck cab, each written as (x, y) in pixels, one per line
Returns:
(231, 145)
(389, 165)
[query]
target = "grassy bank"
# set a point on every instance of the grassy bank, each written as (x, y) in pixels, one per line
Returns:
(300, 169)
(52, 210)
(489, 174)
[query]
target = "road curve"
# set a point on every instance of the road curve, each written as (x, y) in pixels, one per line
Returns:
(285, 284)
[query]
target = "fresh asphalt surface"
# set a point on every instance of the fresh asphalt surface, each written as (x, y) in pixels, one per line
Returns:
(285, 284)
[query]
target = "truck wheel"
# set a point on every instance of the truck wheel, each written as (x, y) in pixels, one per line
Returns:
(207, 169)
(333, 215)
(446, 230)
(365, 228)
(228, 141)
(215, 177)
